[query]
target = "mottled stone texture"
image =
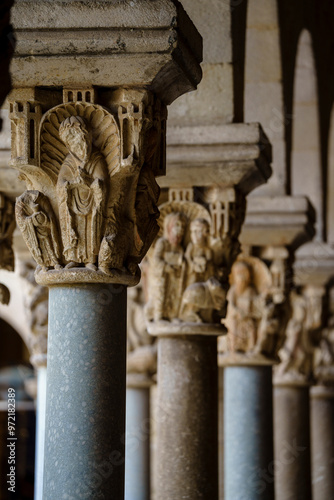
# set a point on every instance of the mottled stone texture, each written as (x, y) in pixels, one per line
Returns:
(248, 442)
(85, 408)
(292, 443)
(322, 436)
(7, 44)
(187, 418)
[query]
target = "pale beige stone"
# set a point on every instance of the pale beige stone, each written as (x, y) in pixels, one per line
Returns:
(212, 102)
(262, 56)
(90, 174)
(258, 311)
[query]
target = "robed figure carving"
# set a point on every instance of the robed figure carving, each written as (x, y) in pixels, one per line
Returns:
(82, 194)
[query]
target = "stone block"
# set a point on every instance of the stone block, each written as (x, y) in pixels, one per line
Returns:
(262, 56)
(212, 102)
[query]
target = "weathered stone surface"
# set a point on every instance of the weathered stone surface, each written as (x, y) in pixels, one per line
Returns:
(228, 155)
(279, 220)
(314, 263)
(139, 43)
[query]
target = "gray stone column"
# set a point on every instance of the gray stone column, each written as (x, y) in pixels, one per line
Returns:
(187, 413)
(137, 452)
(85, 408)
(40, 432)
(322, 442)
(89, 141)
(248, 434)
(292, 442)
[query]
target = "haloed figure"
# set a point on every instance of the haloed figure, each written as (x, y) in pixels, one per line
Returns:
(82, 192)
(169, 267)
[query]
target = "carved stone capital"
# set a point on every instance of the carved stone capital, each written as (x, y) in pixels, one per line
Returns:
(302, 335)
(191, 260)
(141, 347)
(90, 213)
(258, 311)
(7, 226)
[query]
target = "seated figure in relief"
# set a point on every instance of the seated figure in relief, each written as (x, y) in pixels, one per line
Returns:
(168, 270)
(199, 255)
(82, 194)
(244, 310)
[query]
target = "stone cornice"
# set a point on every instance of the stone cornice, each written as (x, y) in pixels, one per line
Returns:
(143, 43)
(278, 221)
(236, 155)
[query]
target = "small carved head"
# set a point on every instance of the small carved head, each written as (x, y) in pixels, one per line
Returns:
(199, 232)
(75, 135)
(241, 276)
(175, 224)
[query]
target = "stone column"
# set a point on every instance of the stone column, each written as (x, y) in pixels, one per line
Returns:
(141, 370)
(322, 418)
(256, 318)
(89, 144)
(292, 403)
(189, 271)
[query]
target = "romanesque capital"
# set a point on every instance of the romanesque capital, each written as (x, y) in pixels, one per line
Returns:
(89, 214)
(302, 335)
(324, 357)
(258, 310)
(141, 347)
(7, 226)
(191, 260)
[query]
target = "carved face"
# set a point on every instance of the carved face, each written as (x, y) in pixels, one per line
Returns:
(175, 229)
(199, 232)
(77, 141)
(241, 276)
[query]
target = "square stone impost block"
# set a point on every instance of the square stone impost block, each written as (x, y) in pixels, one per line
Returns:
(236, 155)
(278, 221)
(138, 43)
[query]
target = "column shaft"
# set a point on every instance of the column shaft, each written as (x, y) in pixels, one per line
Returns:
(137, 464)
(322, 439)
(40, 432)
(292, 442)
(85, 408)
(187, 452)
(248, 435)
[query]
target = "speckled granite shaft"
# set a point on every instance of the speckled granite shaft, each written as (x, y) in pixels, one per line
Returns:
(248, 433)
(187, 451)
(292, 443)
(85, 407)
(137, 463)
(322, 435)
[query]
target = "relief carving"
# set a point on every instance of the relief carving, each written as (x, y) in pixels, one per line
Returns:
(257, 314)
(141, 347)
(303, 333)
(186, 280)
(324, 357)
(7, 226)
(91, 200)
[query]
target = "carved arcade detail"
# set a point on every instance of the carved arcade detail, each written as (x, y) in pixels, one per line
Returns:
(189, 265)
(258, 311)
(90, 210)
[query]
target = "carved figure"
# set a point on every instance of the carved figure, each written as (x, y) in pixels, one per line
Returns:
(37, 223)
(7, 226)
(244, 310)
(199, 300)
(82, 193)
(297, 352)
(324, 357)
(199, 255)
(142, 351)
(169, 268)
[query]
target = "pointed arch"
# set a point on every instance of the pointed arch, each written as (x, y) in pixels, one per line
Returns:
(306, 170)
